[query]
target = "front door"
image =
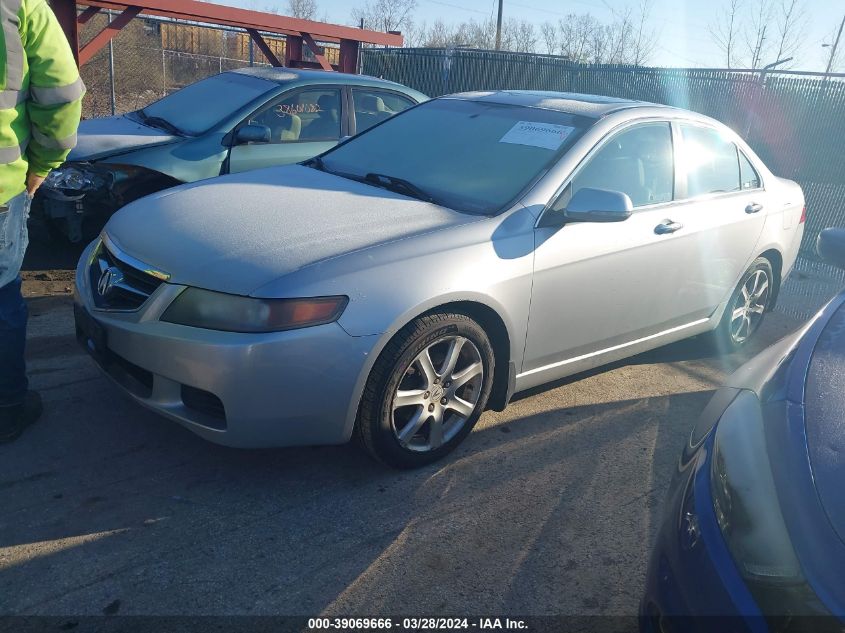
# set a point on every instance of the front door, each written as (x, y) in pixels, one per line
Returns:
(600, 286)
(302, 124)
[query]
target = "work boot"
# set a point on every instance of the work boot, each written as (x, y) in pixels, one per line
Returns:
(13, 420)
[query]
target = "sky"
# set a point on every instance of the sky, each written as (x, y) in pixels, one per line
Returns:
(683, 38)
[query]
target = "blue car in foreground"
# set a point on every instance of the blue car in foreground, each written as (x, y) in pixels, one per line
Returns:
(753, 533)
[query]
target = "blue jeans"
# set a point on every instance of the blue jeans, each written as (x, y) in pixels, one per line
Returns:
(13, 311)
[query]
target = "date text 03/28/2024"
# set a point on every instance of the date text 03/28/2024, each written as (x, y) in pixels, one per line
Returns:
(415, 624)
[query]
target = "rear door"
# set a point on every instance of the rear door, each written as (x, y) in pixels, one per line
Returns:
(722, 207)
(302, 122)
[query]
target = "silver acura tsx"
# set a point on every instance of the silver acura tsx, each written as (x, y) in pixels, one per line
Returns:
(395, 287)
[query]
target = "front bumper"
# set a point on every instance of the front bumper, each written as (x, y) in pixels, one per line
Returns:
(244, 390)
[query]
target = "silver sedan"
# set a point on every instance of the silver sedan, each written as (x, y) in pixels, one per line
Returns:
(467, 249)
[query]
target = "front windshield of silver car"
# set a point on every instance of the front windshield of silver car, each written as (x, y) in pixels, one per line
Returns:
(471, 156)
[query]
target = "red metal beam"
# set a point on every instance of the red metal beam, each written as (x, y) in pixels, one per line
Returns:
(268, 52)
(293, 50)
(109, 31)
(321, 59)
(348, 56)
(208, 13)
(65, 11)
(87, 14)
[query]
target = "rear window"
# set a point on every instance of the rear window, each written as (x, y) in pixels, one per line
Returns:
(711, 161)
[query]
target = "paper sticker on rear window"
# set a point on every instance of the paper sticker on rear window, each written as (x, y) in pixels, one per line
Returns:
(545, 135)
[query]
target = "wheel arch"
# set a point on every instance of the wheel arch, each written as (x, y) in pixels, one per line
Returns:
(776, 260)
(487, 317)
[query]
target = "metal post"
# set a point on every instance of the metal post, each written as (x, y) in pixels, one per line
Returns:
(111, 73)
(251, 52)
(762, 85)
(499, 27)
(834, 47)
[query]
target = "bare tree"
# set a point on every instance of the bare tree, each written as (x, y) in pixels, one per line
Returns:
(581, 37)
(644, 37)
(303, 9)
(758, 35)
(791, 29)
(548, 31)
(726, 31)
(385, 15)
(519, 35)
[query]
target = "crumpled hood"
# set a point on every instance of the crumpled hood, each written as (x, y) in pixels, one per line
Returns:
(237, 233)
(101, 138)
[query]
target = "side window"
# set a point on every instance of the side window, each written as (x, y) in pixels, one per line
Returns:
(374, 106)
(307, 115)
(637, 161)
(710, 161)
(747, 174)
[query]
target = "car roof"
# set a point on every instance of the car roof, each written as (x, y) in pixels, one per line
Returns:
(594, 106)
(283, 75)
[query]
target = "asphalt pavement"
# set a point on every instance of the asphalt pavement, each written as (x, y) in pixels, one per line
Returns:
(547, 508)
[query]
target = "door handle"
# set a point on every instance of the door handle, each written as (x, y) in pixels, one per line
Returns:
(668, 226)
(753, 208)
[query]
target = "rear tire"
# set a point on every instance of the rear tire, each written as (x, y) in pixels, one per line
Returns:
(426, 391)
(747, 306)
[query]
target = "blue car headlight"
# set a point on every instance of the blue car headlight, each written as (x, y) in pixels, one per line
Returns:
(234, 313)
(750, 517)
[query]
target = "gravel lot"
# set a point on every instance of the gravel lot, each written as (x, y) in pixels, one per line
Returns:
(548, 508)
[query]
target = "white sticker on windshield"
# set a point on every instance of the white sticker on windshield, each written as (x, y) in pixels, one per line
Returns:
(546, 135)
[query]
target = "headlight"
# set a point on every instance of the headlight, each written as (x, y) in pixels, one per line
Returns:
(233, 313)
(73, 178)
(748, 512)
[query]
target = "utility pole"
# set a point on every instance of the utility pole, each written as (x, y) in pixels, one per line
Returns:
(835, 46)
(499, 27)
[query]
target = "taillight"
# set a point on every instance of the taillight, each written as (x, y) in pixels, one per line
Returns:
(803, 215)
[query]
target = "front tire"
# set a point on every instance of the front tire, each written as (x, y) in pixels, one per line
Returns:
(427, 390)
(747, 306)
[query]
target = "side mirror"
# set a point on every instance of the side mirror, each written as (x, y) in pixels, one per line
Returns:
(598, 205)
(831, 246)
(252, 133)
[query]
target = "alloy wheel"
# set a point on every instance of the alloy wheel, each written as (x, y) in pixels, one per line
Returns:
(437, 394)
(749, 306)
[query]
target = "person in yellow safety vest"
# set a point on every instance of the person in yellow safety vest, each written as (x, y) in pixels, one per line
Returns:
(40, 107)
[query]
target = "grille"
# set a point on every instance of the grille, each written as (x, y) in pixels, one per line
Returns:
(129, 286)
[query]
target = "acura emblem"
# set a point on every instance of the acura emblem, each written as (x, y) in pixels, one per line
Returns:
(109, 279)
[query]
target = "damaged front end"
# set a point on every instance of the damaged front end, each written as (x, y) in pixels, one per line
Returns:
(78, 198)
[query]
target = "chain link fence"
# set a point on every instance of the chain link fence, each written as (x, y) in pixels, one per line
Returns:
(152, 57)
(794, 121)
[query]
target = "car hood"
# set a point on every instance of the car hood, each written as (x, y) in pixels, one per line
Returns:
(101, 138)
(824, 411)
(237, 233)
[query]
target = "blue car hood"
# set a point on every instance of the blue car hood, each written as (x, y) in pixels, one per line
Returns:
(239, 232)
(825, 419)
(101, 138)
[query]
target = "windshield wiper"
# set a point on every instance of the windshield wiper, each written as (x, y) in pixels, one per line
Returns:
(157, 121)
(399, 185)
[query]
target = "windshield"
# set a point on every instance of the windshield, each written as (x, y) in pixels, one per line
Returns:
(470, 156)
(197, 108)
